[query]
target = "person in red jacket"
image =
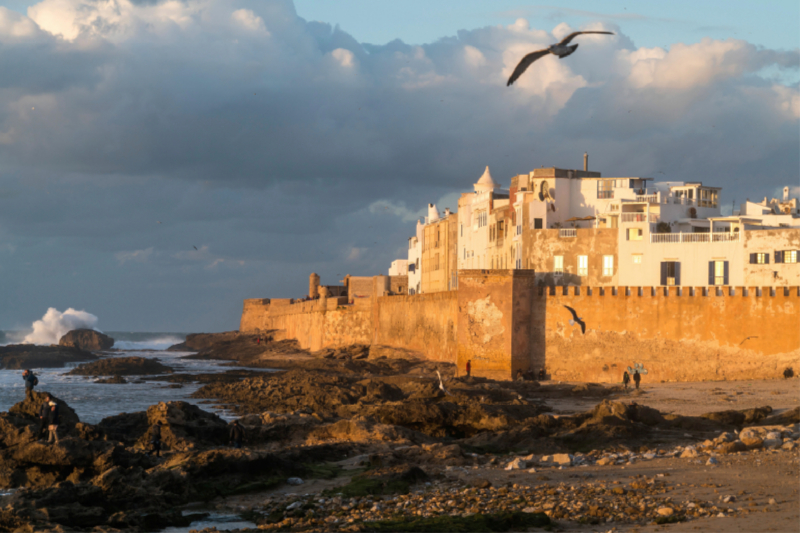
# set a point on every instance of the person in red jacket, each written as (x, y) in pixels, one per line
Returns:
(469, 367)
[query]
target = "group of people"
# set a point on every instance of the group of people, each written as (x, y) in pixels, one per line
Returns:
(626, 378)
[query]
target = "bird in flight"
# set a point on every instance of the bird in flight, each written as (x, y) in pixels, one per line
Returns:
(561, 50)
(195, 247)
(576, 319)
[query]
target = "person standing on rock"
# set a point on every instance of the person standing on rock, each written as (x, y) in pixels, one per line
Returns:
(637, 378)
(44, 417)
(52, 422)
(469, 367)
(155, 439)
(237, 434)
(30, 382)
(626, 379)
(541, 374)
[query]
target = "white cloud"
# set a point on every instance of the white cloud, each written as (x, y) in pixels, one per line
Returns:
(137, 256)
(344, 57)
(249, 20)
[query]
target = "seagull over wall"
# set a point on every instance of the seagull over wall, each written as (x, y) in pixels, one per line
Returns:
(561, 50)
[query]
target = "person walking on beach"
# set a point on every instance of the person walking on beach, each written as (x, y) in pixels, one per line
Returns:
(237, 434)
(637, 378)
(30, 382)
(626, 379)
(52, 422)
(469, 367)
(155, 439)
(44, 416)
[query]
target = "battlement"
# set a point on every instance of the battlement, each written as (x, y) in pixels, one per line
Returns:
(673, 292)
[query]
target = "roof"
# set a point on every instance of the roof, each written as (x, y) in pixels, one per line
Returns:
(486, 181)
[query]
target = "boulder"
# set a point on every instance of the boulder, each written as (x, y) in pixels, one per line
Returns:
(731, 447)
(185, 426)
(87, 339)
(751, 437)
(559, 459)
(121, 366)
(19, 356)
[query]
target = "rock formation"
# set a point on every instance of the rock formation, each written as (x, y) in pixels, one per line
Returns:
(87, 339)
(121, 366)
(19, 356)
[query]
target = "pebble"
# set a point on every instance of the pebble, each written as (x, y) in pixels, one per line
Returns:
(712, 461)
(294, 481)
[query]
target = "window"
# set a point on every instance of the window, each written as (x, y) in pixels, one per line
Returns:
(500, 229)
(759, 259)
(537, 223)
(519, 221)
(634, 234)
(637, 259)
(670, 273)
(436, 262)
(786, 256)
(558, 264)
(717, 272)
(411, 268)
(583, 265)
(608, 265)
(462, 230)
(605, 188)
(519, 256)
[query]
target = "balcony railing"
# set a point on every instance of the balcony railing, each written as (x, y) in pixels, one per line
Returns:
(639, 217)
(693, 237)
(649, 198)
(569, 232)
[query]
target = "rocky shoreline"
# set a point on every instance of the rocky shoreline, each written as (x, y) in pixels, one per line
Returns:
(364, 439)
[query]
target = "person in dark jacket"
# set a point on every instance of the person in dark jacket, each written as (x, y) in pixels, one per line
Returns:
(469, 367)
(237, 434)
(637, 378)
(626, 379)
(155, 439)
(541, 374)
(44, 417)
(52, 422)
(30, 382)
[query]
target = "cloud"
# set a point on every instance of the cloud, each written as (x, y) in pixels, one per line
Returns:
(138, 256)
(279, 143)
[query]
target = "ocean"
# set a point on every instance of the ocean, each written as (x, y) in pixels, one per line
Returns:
(94, 401)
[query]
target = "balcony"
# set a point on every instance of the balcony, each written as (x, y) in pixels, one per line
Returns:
(648, 198)
(639, 217)
(661, 238)
(569, 232)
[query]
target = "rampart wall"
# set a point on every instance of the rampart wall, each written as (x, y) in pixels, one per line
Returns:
(692, 334)
(503, 323)
(425, 323)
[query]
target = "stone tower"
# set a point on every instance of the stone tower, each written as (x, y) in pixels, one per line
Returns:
(313, 285)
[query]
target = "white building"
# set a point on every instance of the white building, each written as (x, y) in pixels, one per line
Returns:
(473, 221)
(399, 267)
(414, 264)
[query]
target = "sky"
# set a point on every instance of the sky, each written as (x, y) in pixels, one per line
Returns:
(160, 161)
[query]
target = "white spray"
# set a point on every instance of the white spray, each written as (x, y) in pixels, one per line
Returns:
(55, 324)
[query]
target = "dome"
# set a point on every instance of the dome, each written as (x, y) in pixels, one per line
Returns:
(486, 183)
(433, 213)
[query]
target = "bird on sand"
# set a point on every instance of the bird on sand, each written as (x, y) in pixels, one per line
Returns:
(576, 319)
(560, 49)
(441, 385)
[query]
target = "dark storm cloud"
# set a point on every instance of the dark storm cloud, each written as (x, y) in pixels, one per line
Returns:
(132, 132)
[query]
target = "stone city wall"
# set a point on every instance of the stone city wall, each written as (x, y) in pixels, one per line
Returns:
(424, 323)
(692, 335)
(502, 322)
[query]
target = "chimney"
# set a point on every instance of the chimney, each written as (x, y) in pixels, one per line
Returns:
(586, 162)
(786, 194)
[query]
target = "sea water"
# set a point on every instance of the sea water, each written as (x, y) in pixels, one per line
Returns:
(94, 401)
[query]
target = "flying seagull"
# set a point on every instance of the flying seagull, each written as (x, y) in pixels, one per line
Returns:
(561, 50)
(576, 319)
(195, 247)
